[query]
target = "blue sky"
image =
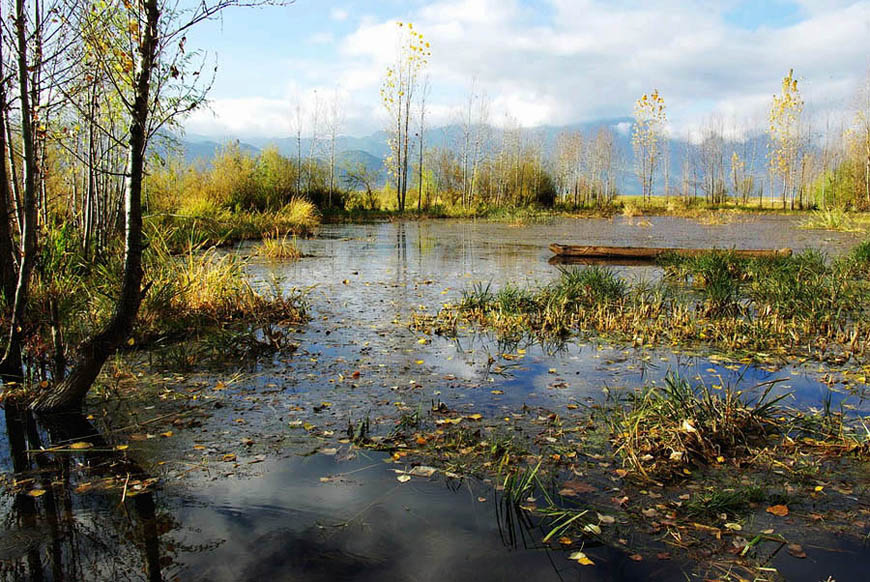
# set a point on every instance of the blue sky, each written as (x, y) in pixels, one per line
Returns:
(538, 62)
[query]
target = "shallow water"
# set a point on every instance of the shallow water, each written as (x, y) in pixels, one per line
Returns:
(343, 515)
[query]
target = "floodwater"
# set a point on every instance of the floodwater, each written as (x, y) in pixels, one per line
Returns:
(297, 506)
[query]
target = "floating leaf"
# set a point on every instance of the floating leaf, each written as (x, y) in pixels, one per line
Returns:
(606, 519)
(581, 559)
(403, 478)
(81, 445)
(423, 471)
(778, 510)
(796, 551)
(36, 492)
(592, 528)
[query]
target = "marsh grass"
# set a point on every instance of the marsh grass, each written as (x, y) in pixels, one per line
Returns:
(800, 306)
(277, 247)
(666, 430)
(205, 288)
(731, 502)
(834, 219)
(213, 226)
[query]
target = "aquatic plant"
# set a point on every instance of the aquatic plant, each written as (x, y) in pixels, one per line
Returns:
(665, 430)
(832, 219)
(278, 247)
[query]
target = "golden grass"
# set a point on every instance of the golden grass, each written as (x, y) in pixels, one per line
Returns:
(278, 248)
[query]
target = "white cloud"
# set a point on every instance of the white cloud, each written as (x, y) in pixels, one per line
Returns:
(576, 60)
(338, 14)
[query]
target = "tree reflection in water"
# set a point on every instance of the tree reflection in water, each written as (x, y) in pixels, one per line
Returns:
(89, 524)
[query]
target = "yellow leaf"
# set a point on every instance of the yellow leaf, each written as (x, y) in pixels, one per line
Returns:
(581, 559)
(81, 445)
(36, 492)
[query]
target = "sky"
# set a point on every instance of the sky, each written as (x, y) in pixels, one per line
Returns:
(539, 62)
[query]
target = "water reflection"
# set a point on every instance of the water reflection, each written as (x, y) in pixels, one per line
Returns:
(57, 527)
(345, 516)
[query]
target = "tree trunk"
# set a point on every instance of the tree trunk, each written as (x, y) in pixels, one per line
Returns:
(93, 353)
(8, 272)
(11, 364)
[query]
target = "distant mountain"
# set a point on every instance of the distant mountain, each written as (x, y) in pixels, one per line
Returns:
(371, 150)
(204, 150)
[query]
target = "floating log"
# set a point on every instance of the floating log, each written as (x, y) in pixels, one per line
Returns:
(647, 253)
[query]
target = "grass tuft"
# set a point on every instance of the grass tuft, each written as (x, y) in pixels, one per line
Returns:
(666, 430)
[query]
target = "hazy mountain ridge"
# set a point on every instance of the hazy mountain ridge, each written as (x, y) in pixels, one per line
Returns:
(371, 150)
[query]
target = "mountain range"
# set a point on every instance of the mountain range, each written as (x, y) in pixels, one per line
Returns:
(371, 150)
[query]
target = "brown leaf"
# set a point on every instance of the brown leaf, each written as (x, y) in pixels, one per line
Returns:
(796, 550)
(576, 488)
(778, 510)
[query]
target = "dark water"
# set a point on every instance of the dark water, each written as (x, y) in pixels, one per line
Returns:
(344, 515)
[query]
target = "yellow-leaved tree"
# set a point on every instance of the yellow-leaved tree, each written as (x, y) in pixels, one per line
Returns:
(398, 91)
(650, 118)
(785, 137)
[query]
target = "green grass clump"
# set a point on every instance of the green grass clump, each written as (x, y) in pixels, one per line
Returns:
(731, 502)
(833, 219)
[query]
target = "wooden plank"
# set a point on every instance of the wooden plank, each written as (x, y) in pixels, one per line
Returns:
(649, 253)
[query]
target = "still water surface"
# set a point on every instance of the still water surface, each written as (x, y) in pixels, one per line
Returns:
(344, 516)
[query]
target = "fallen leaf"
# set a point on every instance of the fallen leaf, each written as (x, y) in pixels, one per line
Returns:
(229, 457)
(572, 488)
(796, 550)
(423, 471)
(778, 510)
(36, 492)
(403, 478)
(733, 526)
(636, 557)
(581, 559)
(81, 445)
(592, 528)
(606, 519)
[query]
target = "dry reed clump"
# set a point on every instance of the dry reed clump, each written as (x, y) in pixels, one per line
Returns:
(278, 247)
(205, 288)
(665, 431)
